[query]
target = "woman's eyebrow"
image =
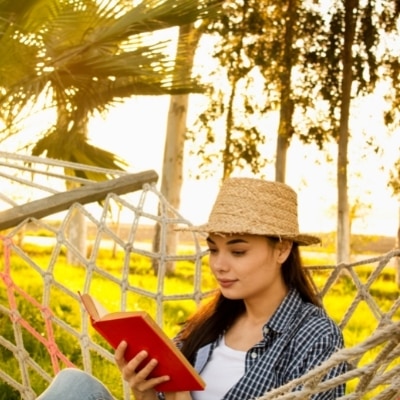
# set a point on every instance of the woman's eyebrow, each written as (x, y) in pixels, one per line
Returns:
(229, 242)
(234, 241)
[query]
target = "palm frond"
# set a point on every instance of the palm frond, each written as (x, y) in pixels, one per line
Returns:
(76, 148)
(83, 56)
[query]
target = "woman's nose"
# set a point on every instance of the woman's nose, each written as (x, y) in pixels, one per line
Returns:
(219, 262)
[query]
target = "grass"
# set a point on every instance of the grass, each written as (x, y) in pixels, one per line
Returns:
(29, 277)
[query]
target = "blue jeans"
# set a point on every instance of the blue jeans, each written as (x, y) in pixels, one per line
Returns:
(74, 384)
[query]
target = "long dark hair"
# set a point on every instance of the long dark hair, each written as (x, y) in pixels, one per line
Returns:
(218, 314)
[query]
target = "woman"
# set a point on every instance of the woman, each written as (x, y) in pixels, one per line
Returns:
(264, 328)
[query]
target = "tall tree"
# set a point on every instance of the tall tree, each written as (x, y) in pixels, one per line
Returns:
(285, 129)
(262, 45)
(172, 173)
(354, 59)
(392, 113)
(343, 217)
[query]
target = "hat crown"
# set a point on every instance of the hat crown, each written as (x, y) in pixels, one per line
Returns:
(254, 206)
(257, 207)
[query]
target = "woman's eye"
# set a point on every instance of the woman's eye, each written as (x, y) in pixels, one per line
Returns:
(238, 253)
(212, 251)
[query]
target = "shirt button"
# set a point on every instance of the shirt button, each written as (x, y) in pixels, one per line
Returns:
(253, 354)
(265, 331)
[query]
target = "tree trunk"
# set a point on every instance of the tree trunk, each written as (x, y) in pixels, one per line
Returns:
(397, 266)
(77, 235)
(171, 181)
(76, 230)
(228, 156)
(285, 129)
(77, 227)
(282, 146)
(343, 221)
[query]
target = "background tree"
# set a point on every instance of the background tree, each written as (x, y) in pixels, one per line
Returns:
(392, 115)
(262, 45)
(171, 179)
(349, 65)
(231, 108)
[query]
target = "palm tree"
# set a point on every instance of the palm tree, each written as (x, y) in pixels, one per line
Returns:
(84, 56)
(79, 57)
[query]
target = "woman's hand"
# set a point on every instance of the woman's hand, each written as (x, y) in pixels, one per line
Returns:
(142, 388)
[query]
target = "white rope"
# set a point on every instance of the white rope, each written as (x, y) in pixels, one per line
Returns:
(30, 176)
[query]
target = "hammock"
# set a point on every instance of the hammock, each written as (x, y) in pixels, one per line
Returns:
(44, 328)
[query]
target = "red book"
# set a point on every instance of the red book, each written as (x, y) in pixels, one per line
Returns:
(141, 332)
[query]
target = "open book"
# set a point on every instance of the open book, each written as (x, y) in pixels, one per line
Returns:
(141, 332)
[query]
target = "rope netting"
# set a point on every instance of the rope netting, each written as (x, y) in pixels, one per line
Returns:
(128, 263)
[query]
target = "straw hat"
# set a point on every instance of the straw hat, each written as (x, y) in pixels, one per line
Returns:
(257, 207)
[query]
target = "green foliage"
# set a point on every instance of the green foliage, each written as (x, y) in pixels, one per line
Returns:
(175, 312)
(8, 393)
(394, 182)
(67, 310)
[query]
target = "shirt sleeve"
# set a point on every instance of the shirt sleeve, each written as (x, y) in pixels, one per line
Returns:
(318, 352)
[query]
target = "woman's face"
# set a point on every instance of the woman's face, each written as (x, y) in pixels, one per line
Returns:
(247, 266)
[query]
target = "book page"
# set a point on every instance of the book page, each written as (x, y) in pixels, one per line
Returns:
(93, 307)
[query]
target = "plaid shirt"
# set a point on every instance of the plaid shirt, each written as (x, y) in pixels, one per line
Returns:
(298, 337)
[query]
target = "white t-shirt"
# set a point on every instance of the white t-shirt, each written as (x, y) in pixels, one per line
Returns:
(222, 371)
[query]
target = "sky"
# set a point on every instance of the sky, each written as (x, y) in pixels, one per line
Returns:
(136, 132)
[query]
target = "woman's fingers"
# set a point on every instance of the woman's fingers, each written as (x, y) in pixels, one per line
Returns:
(132, 367)
(119, 354)
(140, 381)
(139, 378)
(139, 360)
(138, 369)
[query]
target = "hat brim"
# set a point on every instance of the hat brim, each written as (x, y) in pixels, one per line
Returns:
(301, 239)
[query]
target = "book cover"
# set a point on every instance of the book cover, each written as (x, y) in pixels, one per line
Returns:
(141, 332)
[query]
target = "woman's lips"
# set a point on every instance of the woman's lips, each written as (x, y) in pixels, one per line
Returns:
(226, 283)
